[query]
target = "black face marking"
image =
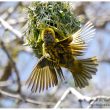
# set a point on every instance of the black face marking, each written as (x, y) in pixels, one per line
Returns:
(48, 37)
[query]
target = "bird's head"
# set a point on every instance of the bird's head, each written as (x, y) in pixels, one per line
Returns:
(48, 35)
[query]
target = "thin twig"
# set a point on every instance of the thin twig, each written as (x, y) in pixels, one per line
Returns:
(73, 91)
(80, 103)
(90, 100)
(10, 28)
(16, 21)
(94, 99)
(29, 100)
(10, 11)
(13, 65)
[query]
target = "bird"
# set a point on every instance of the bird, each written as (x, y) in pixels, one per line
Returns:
(64, 53)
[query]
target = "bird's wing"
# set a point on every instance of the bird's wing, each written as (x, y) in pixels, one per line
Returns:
(82, 38)
(85, 34)
(66, 41)
(75, 48)
(79, 41)
(43, 75)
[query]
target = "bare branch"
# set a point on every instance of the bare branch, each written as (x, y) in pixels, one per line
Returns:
(5, 83)
(7, 13)
(13, 65)
(80, 97)
(16, 21)
(74, 92)
(29, 100)
(10, 28)
(94, 99)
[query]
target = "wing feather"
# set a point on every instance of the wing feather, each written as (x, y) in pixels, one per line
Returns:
(85, 34)
(43, 75)
(79, 41)
(82, 38)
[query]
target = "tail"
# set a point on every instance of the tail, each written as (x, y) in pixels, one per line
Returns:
(83, 71)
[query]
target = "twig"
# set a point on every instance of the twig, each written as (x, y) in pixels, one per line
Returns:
(29, 100)
(13, 65)
(80, 103)
(10, 28)
(80, 97)
(94, 99)
(73, 91)
(10, 11)
(62, 98)
(16, 21)
(5, 83)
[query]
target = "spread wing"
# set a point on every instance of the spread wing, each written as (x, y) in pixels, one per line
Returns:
(44, 75)
(79, 41)
(82, 38)
(66, 41)
(85, 34)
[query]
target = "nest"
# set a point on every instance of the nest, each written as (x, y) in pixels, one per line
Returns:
(57, 15)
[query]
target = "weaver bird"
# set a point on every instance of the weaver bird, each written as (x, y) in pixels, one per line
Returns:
(63, 53)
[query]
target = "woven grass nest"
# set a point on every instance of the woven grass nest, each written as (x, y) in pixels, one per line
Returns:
(57, 15)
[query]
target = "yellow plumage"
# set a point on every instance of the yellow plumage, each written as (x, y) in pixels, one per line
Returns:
(63, 53)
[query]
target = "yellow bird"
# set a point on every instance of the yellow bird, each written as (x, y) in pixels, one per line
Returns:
(63, 53)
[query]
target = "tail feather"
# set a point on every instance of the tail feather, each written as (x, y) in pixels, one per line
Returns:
(80, 81)
(87, 68)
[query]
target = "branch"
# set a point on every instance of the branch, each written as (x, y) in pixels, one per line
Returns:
(16, 21)
(74, 92)
(7, 13)
(10, 28)
(80, 97)
(94, 99)
(13, 65)
(29, 100)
